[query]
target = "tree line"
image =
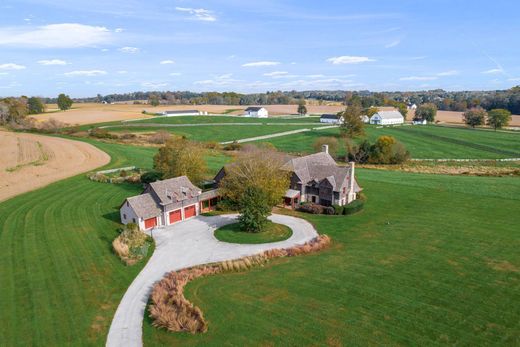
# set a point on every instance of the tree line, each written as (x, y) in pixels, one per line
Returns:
(15, 109)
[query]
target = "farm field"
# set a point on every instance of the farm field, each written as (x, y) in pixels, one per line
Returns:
(224, 119)
(456, 117)
(433, 142)
(445, 273)
(90, 113)
(59, 279)
(38, 160)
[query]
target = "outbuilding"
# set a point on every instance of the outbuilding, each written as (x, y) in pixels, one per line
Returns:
(331, 118)
(387, 118)
(256, 112)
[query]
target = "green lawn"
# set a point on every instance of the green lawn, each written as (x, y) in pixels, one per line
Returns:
(225, 119)
(60, 283)
(272, 233)
(422, 141)
(431, 260)
(218, 133)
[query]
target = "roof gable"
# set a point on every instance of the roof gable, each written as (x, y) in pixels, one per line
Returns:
(174, 189)
(389, 115)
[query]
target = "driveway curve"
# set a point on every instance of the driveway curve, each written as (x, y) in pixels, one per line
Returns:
(183, 245)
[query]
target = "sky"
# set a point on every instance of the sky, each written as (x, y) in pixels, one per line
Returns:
(86, 47)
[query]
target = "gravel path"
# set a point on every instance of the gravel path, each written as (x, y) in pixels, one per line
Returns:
(285, 133)
(184, 245)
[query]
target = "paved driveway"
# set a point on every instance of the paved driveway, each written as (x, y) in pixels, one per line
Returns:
(182, 245)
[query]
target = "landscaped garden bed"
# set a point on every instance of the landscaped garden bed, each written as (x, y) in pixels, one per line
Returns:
(272, 232)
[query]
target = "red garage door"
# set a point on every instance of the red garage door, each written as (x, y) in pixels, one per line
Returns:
(189, 212)
(175, 216)
(150, 223)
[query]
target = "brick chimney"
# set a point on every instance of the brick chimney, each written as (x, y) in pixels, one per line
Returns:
(325, 148)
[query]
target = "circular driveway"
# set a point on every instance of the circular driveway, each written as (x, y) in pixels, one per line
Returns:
(183, 245)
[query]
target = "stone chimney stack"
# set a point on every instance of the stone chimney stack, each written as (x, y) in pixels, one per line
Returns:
(325, 148)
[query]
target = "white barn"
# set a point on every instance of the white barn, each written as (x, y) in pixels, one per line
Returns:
(331, 118)
(256, 112)
(387, 118)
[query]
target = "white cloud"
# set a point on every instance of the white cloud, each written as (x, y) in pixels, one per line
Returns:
(261, 63)
(164, 62)
(122, 72)
(65, 35)
(448, 73)
(105, 50)
(175, 74)
(154, 85)
(393, 44)
(199, 13)
(131, 50)
(418, 78)
(348, 59)
(88, 73)
(11, 66)
(119, 30)
(493, 71)
(276, 73)
(316, 76)
(514, 79)
(221, 80)
(52, 62)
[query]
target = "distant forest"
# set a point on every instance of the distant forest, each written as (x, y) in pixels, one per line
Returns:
(448, 101)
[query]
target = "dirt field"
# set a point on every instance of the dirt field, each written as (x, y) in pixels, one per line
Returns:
(90, 113)
(32, 161)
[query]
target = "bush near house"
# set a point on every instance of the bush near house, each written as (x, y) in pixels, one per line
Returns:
(132, 244)
(353, 207)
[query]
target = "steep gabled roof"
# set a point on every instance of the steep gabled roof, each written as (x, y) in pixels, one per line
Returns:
(254, 108)
(144, 206)
(317, 167)
(175, 189)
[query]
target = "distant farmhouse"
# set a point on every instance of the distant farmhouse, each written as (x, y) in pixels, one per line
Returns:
(315, 178)
(183, 113)
(387, 118)
(419, 121)
(256, 112)
(331, 118)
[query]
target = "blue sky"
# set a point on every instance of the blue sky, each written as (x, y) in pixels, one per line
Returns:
(85, 47)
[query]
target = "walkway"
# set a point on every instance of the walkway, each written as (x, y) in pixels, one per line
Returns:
(285, 133)
(184, 245)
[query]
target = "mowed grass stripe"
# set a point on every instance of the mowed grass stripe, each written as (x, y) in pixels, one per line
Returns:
(415, 267)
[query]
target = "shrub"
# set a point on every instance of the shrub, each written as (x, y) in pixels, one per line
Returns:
(338, 210)
(353, 207)
(123, 173)
(151, 176)
(131, 245)
(233, 146)
(52, 126)
(159, 137)
(254, 209)
(102, 134)
(212, 145)
(311, 208)
(128, 136)
(329, 210)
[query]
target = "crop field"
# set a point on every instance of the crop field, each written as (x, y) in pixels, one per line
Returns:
(422, 142)
(224, 119)
(431, 260)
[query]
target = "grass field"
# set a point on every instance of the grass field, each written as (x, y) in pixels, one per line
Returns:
(216, 133)
(422, 142)
(431, 260)
(272, 233)
(60, 281)
(224, 119)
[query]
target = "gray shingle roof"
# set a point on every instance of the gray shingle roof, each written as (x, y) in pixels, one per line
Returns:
(175, 189)
(144, 206)
(317, 167)
(330, 116)
(390, 114)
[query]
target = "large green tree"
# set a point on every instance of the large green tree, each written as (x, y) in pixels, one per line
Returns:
(64, 102)
(181, 158)
(35, 105)
(255, 178)
(254, 209)
(302, 110)
(474, 117)
(498, 118)
(352, 124)
(426, 112)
